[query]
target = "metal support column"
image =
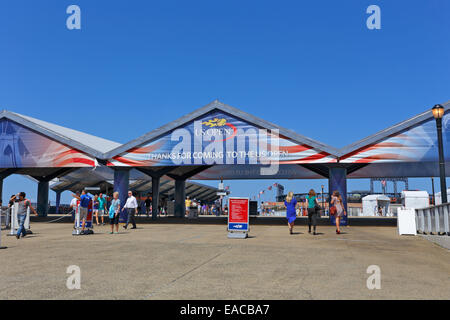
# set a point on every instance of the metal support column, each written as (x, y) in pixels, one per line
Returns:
(1, 189)
(58, 201)
(42, 198)
(121, 185)
(180, 197)
(155, 197)
(337, 181)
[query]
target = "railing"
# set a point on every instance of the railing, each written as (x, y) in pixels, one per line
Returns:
(434, 219)
(5, 217)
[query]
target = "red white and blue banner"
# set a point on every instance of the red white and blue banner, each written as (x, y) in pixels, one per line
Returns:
(219, 138)
(21, 147)
(415, 144)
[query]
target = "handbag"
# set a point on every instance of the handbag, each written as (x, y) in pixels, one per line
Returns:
(112, 210)
(333, 210)
(317, 209)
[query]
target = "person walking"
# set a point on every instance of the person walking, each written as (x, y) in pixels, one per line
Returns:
(101, 208)
(336, 201)
(114, 212)
(218, 205)
(22, 209)
(95, 207)
(200, 208)
(85, 199)
(8, 212)
(148, 203)
(132, 208)
(11, 201)
(311, 205)
(290, 203)
(187, 204)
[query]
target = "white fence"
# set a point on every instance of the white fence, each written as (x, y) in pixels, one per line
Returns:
(434, 219)
(5, 215)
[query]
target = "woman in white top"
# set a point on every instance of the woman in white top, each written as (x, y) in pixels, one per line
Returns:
(336, 200)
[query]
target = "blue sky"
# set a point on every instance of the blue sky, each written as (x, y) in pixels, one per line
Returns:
(311, 66)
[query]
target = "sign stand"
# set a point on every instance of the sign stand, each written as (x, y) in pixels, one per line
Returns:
(15, 221)
(1, 247)
(77, 230)
(238, 217)
(406, 221)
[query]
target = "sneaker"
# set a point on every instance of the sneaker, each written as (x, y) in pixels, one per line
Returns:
(133, 228)
(116, 233)
(17, 236)
(111, 232)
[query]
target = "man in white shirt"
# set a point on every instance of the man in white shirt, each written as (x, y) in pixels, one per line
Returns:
(74, 207)
(132, 208)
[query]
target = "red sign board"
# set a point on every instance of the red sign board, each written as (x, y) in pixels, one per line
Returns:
(238, 215)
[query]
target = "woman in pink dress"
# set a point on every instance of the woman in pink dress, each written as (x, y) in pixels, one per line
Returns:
(336, 200)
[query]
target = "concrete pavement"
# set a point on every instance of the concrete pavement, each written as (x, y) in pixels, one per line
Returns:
(197, 261)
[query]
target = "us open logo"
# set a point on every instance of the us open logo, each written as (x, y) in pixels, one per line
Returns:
(216, 127)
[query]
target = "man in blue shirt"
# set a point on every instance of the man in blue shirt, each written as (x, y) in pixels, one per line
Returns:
(85, 199)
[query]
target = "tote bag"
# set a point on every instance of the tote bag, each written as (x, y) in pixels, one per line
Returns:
(112, 210)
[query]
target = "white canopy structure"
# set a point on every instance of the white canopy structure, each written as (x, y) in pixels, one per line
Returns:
(373, 202)
(415, 199)
(438, 197)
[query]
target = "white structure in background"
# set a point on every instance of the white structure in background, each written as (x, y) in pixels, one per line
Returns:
(372, 202)
(406, 221)
(415, 199)
(439, 199)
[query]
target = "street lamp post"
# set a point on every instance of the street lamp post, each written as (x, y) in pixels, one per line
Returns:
(438, 113)
(323, 205)
(432, 190)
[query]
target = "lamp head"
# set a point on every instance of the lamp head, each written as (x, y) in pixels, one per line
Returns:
(438, 111)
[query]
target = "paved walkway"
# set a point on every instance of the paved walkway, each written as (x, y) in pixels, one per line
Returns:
(443, 241)
(178, 261)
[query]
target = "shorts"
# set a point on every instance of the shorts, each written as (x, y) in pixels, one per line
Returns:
(101, 213)
(114, 220)
(83, 213)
